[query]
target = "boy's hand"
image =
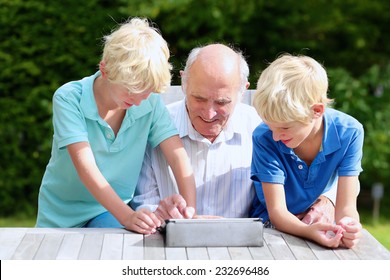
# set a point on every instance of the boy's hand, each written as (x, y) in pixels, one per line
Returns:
(352, 231)
(327, 234)
(142, 221)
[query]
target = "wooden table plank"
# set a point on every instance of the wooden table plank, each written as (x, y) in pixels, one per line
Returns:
(321, 252)
(28, 247)
(176, 253)
(133, 247)
(70, 247)
(197, 253)
(261, 253)
(49, 247)
(345, 254)
(277, 245)
(240, 253)
(218, 253)
(10, 240)
(370, 249)
(154, 247)
(112, 246)
(299, 247)
(92, 246)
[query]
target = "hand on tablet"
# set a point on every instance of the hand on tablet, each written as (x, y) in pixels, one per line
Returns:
(174, 207)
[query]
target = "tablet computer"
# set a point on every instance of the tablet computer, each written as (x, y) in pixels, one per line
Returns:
(223, 232)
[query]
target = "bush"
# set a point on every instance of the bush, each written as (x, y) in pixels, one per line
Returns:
(43, 45)
(368, 100)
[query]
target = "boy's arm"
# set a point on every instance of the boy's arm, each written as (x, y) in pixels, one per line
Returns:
(84, 162)
(178, 160)
(285, 221)
(346, 213)
(346, 199)
(278, 213)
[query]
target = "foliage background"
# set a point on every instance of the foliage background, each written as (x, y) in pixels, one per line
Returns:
(45, 43)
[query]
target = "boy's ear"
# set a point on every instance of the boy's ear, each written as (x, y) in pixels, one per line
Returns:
(102, 68)
(318, 109)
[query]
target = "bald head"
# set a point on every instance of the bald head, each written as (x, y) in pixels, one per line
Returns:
(219, 64)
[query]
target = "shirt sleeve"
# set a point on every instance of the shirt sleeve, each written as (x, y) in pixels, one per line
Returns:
(351, 163)
(266, 164)
(68, 121)
(162, 126)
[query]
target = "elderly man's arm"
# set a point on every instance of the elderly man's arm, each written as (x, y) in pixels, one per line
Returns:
(322, 210)
(174, 207)
(146, 194)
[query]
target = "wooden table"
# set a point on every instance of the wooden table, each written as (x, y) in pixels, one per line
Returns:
(119, 244)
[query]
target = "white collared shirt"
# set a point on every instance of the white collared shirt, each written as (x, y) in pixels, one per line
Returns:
(221, 169)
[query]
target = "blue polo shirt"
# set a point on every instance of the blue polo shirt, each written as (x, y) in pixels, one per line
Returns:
(274, 162)
(63, 199)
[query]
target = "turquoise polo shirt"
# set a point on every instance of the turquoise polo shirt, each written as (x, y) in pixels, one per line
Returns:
(274, 162)
(63, 199)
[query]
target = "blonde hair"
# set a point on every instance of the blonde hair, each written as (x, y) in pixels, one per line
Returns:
(289, 87)
(136, 56)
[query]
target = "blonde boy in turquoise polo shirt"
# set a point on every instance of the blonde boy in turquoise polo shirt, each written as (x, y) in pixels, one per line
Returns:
(102, 124)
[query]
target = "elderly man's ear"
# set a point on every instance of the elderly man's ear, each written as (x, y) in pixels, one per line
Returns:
(182, 84)
(246, 87)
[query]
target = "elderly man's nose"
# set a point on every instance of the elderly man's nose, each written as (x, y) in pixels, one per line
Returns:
(209, 112)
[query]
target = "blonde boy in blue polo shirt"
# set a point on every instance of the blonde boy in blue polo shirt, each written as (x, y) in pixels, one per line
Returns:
(102, 124)
(301, 149)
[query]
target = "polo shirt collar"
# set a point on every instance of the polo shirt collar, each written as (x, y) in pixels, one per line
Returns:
(330, 140)
(90, 110)
(87, 102)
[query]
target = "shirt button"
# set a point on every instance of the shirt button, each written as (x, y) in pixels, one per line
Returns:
(108, 135)
(300, 166)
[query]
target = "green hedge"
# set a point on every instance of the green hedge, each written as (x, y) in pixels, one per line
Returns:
(44, 44)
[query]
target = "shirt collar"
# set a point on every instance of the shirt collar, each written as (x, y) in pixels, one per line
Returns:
(330, 140)
(87, 102)
(90, 110)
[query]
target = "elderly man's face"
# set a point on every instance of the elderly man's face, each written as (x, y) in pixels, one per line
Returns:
(211, 100)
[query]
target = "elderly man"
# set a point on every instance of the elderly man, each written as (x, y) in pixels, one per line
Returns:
(216, 130)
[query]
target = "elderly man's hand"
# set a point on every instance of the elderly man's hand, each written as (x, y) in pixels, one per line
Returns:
(174, 207)
(321, 211)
